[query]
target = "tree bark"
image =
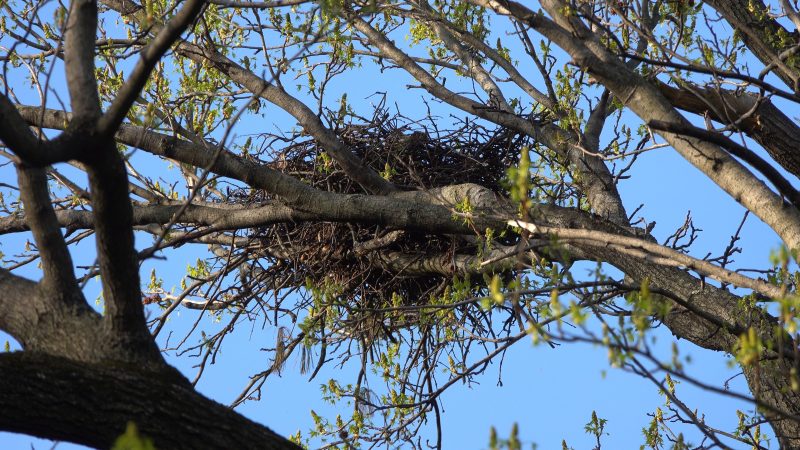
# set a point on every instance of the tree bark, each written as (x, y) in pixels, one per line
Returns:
(762, 34)
(91, 404)
(758, 118)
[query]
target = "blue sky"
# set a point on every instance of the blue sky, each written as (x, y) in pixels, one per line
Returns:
(551, 393)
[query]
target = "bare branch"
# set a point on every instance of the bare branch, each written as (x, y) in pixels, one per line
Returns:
(757, 117)
(660, 255)
(784, 186)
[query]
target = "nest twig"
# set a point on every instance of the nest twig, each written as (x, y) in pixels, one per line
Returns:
(412, 157)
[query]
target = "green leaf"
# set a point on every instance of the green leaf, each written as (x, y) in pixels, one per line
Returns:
(132, 440)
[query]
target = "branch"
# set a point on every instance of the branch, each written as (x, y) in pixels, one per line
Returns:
(595, 177)
(756, 116)
(59, 277)
(116, 253)
(218, 218)
(79, 60)
(58, 399)
(655, 253)
(645, 100)
(148, 58)
(784, 186)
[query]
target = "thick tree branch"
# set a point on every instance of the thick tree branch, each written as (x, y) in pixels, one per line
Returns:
(762, 34)
(645, 100)
(116, 254)
(740, 151)
(59, 277)
(757, 117)
(594, 175)
(91, 404)
(218, 218)
(79, 61)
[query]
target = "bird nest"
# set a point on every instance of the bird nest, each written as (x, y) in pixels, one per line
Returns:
(331, 257)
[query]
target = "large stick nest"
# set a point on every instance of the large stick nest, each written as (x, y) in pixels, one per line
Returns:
(413, 157)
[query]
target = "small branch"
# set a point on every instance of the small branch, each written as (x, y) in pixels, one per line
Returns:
(362, 248)
(779, 181)
(652, 252)
(148, 58)
(257, 5)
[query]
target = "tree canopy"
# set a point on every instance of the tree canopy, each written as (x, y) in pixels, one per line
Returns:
(405, 187)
